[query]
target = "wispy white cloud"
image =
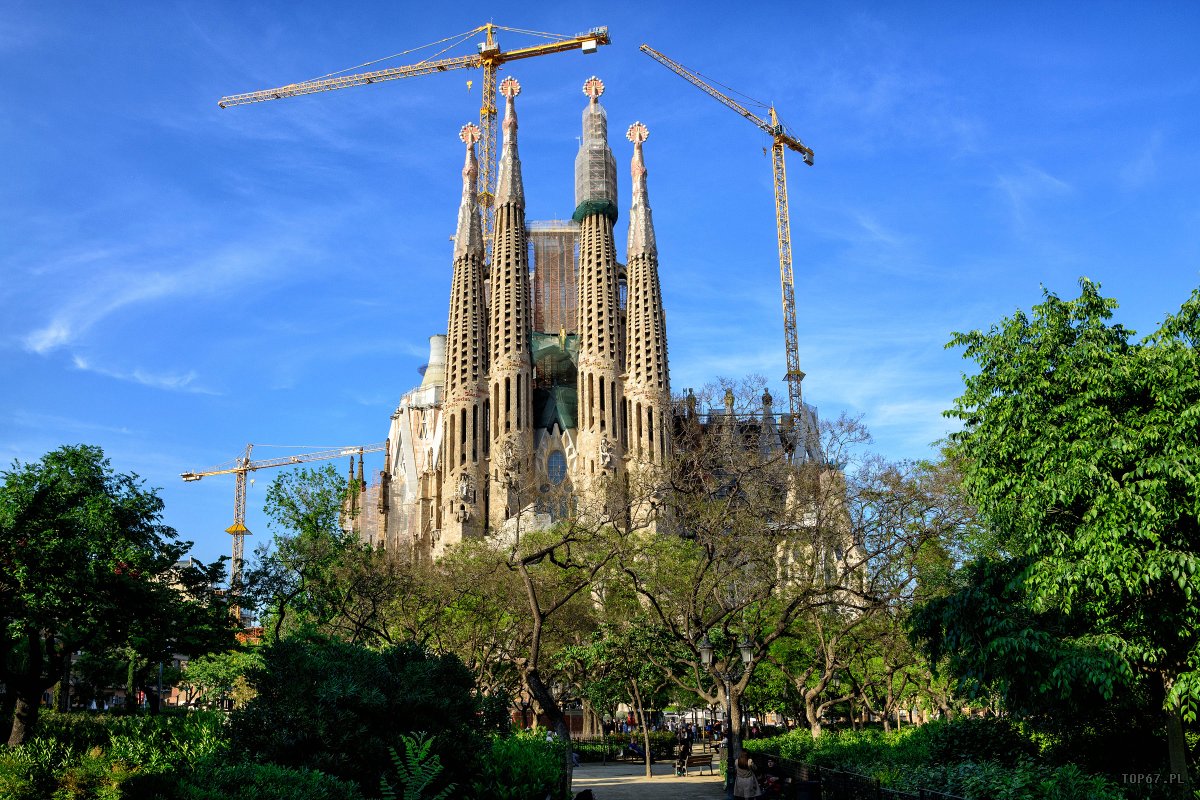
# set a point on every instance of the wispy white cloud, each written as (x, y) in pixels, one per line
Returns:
(292, 364)
(59, 425)
(185, 382)
(895, 95)
(876, 231)
(118, 286)
(1026, 186)
(1140, 168)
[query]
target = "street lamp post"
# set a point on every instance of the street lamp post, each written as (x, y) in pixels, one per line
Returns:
(728, 677)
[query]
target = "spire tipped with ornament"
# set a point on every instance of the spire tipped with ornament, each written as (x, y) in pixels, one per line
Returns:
(509, 188)
(468, 237)
(641, 224)
(595, 169)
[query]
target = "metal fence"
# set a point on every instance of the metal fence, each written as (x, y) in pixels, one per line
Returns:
(807, 782)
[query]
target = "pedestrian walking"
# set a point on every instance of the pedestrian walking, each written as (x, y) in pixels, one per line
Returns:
(745, 782)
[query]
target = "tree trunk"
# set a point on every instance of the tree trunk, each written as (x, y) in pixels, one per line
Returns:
(589, 719)
(733, 743)
(129, 687)
(62, 698)
(555, 722)
(24, 719)
(813, 719)
(26, 688)
(1177, 748)
(945, 708)
(641, 715)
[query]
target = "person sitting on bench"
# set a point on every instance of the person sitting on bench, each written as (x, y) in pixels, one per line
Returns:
(685, 750)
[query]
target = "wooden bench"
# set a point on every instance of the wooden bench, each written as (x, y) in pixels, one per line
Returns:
(628, 754)
(702, 760)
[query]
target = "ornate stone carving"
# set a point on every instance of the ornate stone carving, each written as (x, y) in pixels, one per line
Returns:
(465, 496)
(510, 461)
(607, 459)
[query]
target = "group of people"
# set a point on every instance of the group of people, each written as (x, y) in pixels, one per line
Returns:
(749, 781)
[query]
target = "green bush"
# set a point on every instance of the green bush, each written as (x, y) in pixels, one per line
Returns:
(521, 767)
(27, 772)
(605, 748)
(974, 739)
(328, 705)
(979, 759)
(98, 756)
(212, 780)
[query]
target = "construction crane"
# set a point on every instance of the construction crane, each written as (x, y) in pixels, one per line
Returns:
(241, 467)
(781, 141)
(489, 58)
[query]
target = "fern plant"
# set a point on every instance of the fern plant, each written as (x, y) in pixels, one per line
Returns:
(415, 771)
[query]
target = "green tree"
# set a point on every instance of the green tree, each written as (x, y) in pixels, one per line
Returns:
(1081, 448)
(210, 678)
(315, 574)
(86, 565)
(616, 666)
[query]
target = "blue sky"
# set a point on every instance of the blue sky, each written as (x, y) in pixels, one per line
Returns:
(177, 280)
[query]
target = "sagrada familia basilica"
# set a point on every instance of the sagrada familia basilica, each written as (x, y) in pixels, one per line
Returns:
(551, 380)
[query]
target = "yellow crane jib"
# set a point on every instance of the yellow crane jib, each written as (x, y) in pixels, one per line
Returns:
(489, 58)
(242, 466)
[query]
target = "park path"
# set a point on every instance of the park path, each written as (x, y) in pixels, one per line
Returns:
(623, 780)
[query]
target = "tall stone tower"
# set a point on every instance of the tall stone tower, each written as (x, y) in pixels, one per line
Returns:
(647, 383)
(463, 457)
(600, 425)
(555, 389)
(510, 331)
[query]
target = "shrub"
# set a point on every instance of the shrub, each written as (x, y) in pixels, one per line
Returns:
(979, 759)
(100, 756)
(974, 739)
(605, 748)
(328, 705)
(521, 767)
(416, 771)
(212, 780)
(26, 772)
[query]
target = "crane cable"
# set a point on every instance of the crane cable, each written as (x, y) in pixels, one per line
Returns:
(458, 37)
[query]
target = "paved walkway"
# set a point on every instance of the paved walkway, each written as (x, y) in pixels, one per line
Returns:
(623, 780)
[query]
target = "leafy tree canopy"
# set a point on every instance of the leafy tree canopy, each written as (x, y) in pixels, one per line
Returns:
(86, 564)
(1081, 448)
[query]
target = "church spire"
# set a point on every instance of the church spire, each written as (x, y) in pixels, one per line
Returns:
(641, 224)
(509, 188)
(595, 169)
(647, 384)
(468, 237)
(463, 455)
(600, 440)
(510, 379)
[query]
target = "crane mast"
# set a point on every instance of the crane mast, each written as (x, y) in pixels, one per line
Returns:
(490, 59)
(781, 141)
(241, 467)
